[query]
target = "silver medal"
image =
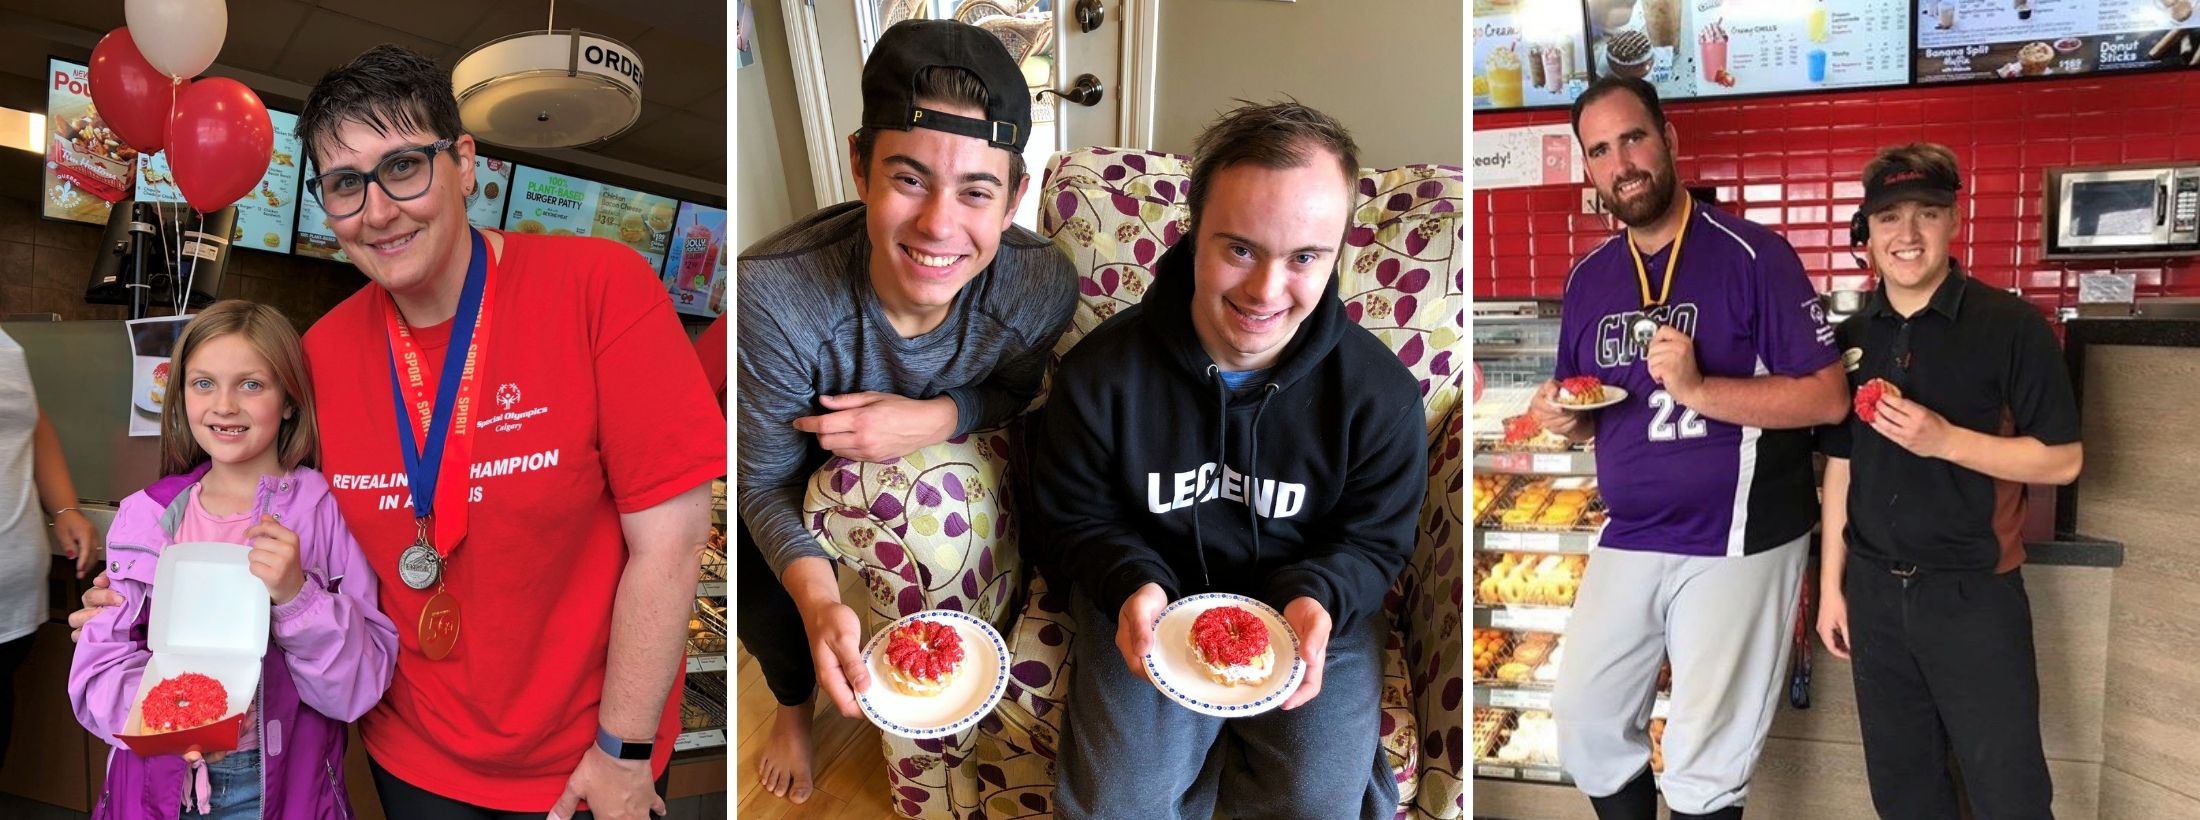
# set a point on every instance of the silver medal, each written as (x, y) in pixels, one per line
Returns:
(1644, 329)
(419, 567)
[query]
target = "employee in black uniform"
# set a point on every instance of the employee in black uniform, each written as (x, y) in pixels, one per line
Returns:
(1924, 499)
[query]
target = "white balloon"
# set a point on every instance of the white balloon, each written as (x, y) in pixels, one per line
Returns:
(179, 37)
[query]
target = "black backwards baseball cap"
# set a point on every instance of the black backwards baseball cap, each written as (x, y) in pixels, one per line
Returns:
(911, 47)
(1900, 182)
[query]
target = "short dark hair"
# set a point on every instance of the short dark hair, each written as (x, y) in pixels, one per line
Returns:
(1275, 136)
(1614, 84)
(943, 86)
(388, 88)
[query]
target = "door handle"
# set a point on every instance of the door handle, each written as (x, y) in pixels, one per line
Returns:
(1087, 91)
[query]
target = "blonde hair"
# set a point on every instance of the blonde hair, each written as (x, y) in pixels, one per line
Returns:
(276, 341)
(1930, 157)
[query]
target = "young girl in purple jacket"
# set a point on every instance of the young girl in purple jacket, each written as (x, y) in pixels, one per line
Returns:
(237, 432)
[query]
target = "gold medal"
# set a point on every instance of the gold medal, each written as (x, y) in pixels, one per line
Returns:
(439, 624)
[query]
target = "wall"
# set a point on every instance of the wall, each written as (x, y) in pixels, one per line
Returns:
(1792, 163)
(45, 264)
(773, 185)
(2133, 397)
(1389, 70)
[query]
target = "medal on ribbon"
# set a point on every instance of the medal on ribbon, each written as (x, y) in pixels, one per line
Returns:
(437, 448)
(1645, 328)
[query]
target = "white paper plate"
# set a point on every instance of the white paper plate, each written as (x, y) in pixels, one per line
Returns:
(1612, 395)
(1180, 677)
(977, 688)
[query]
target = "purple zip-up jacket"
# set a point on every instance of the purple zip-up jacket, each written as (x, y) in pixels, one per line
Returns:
(329, 658)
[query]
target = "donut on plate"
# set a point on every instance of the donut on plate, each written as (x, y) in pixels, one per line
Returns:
(186, 701)
(1581, 390)
(922, 658)
(1231, 644)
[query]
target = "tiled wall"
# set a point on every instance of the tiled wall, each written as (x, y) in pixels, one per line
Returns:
(1792, 163)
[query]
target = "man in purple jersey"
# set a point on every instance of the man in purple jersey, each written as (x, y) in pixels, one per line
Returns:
(1708, 324)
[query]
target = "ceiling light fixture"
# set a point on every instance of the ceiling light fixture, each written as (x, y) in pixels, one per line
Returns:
(549, 88)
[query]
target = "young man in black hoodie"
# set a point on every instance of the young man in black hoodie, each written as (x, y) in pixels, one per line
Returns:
(1235, 432)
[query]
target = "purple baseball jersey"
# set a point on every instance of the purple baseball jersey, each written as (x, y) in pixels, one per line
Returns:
(1674, 481)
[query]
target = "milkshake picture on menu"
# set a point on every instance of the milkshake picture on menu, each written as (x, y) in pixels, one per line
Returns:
(1528, 53)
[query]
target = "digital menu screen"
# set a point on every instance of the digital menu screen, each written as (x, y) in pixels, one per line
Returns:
(1528, 53)
(543, 202)
(88, 168)
(695, 270)
(1758, 47)
(484, 208)
(1711, 48)
(2012, 39)
(264, 215)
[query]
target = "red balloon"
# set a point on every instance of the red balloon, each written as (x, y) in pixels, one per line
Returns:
(219, 143)
(132, 97)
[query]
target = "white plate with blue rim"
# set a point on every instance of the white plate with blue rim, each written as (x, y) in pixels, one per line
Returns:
(976, 689)
(1178, 675)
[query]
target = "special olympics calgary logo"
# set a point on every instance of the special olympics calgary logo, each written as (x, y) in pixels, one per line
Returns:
(508, 395)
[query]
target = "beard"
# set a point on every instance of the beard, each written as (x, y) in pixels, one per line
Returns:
(1646, 208)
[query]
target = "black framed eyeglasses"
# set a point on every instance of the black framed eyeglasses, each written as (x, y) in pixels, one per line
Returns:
(403, 175)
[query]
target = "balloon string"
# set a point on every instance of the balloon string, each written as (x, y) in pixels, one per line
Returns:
(191, 285)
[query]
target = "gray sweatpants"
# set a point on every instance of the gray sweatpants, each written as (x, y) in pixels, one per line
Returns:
(1726, 623)
(1128, 751)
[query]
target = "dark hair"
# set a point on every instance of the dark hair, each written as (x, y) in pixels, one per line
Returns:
(945, 87)
(1613, 84)
(1274, 136)
(388, 88)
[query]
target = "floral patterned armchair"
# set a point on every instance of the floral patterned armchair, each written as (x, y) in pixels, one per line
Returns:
(934, 531)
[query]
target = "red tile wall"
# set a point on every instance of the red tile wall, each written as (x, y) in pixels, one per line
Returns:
(1793, 164)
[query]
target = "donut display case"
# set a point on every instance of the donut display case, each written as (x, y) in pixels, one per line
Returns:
(703, 721)
(1537, 515)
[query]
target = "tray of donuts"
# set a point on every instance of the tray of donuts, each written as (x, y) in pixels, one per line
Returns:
(1488, 489)
(1489, 724)
(1524, 737)
(1547, 505)
(1529, 659)
(1527, 579)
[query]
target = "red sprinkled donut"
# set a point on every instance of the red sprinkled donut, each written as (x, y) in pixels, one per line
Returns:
(1229, 635)
(929, 650)
(186, 701)
(1868, 396)
(1583, 389)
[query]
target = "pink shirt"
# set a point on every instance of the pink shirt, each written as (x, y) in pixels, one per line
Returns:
(200, 525)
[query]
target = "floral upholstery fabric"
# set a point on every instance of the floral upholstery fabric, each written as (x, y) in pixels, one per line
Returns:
(1114, 212)
(929, 531)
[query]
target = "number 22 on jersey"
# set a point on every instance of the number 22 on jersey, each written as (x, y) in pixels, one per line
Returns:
(1663, 426)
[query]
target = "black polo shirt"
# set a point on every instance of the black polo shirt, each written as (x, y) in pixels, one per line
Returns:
(1984, 360)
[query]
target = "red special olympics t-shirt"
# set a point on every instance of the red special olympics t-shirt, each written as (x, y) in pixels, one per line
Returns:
(591, 404)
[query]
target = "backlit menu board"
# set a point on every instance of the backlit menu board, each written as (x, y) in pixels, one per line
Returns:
(1711, 48)
(1528, 53)
(2011, 39)
(264, 215)
(695, 271)
(484, 209)
(543, 202)
(88, 168)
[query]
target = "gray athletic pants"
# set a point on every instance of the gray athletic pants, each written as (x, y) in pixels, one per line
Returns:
(1127, 751)
(1726, 623)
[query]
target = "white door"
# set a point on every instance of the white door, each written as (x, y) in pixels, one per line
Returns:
(833, 36)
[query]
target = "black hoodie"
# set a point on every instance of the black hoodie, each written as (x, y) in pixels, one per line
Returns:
(1334, 439)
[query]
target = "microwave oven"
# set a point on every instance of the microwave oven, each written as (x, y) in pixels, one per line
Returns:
(2134, 210)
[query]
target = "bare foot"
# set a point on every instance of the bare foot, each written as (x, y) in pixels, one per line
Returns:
(785, 767)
